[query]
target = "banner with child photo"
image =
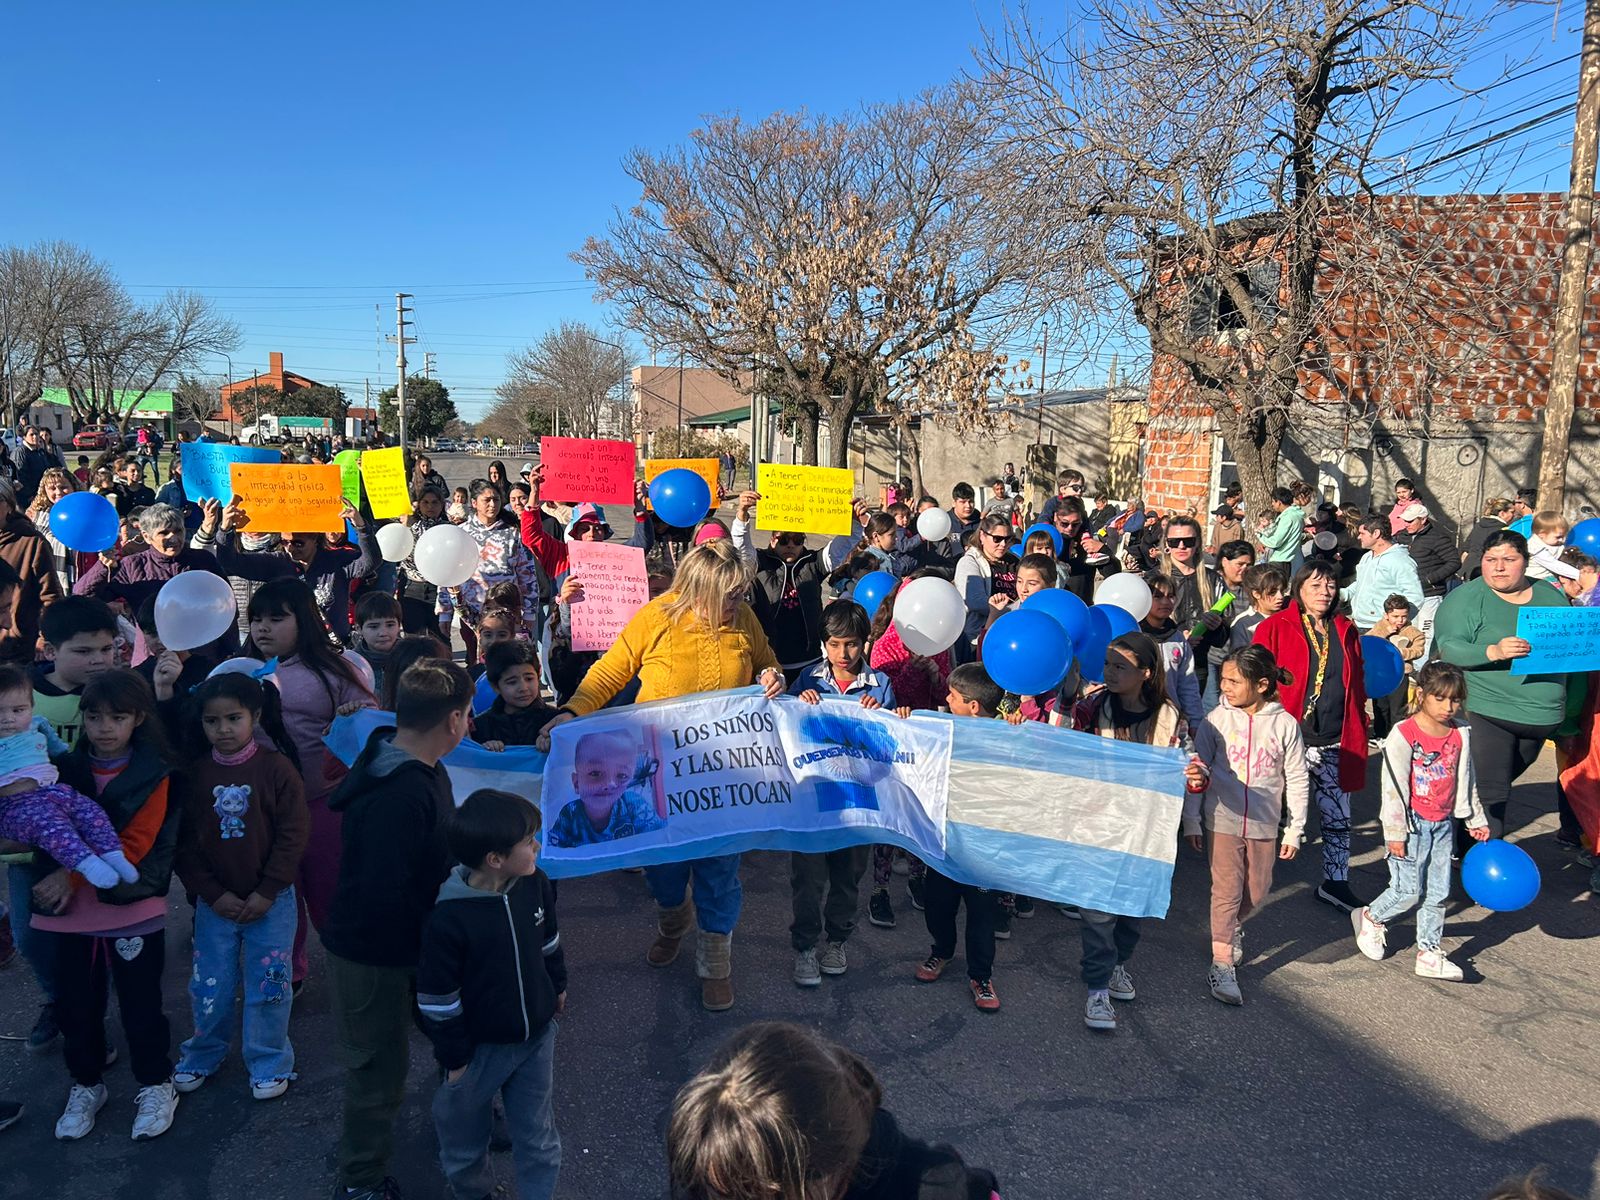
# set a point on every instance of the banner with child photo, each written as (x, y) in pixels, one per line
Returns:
(1056, 815)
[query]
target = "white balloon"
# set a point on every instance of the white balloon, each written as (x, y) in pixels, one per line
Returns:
(395, 541)
(446, 555)
(929, 615)
(194, 608)
(1128, 592)
(934, 525)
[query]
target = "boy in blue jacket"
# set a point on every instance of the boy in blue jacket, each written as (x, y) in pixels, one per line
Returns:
(490, 984)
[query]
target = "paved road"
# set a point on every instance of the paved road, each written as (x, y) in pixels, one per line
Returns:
(1339, 1078)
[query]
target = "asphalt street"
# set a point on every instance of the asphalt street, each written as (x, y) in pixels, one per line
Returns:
(1338, 1078)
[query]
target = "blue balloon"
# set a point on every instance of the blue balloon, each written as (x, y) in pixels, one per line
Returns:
(483, 695)
(872, 589)
(1069, 611)
(1499, 876)
(680, 497)
(1027, 653)
(1586, 536)
(85, 522)
(1522, 525)
(1382, 668)
(1041, 527)
(1107, 622)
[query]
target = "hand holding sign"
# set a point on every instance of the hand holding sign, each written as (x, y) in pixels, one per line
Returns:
(290, 499)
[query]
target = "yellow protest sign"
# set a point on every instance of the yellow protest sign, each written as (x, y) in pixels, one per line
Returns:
(289, 499)
(709, 469)
(384, 473)
(804, 499)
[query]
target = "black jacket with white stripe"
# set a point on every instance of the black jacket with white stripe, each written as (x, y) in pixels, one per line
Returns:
(491, 966)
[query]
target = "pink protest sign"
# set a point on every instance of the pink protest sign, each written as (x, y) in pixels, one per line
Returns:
(614, 588)
(591, 469)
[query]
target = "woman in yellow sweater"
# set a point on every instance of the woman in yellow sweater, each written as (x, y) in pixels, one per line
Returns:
(699, 637)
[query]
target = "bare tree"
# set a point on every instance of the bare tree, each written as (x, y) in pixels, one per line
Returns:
(196, 399)
(1227, 176)
(858, 262)
(576, 379)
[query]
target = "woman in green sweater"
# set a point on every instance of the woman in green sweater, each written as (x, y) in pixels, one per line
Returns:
(1512, 716)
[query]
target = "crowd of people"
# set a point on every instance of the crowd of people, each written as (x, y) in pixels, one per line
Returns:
(125, 765)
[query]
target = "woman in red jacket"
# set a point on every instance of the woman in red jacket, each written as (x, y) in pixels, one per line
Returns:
(1323, 652)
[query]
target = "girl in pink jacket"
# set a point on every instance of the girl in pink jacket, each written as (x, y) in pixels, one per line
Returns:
(1249, 758)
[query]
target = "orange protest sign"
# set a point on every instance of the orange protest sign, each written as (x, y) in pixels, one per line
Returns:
(709, 469)
(289, 499)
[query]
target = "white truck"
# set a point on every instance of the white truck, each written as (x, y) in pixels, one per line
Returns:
(268, 428)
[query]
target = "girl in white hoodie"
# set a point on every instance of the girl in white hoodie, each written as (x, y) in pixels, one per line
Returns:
(1249, 758)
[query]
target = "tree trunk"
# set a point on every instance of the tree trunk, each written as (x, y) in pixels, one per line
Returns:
(1256, 443)
(809, 421)
(913, 445)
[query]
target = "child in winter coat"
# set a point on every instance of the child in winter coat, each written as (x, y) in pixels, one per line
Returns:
(781, 1114)
(1427, 783)
(1249, 760)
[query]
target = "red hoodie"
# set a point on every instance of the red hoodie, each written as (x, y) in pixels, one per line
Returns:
(1283, 634)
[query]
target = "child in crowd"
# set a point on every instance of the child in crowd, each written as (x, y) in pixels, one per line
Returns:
(244, 830)
(121, 760)
(418, 597)
(460, 506)
(1266, 587)
(496, 627)
(1395, 626)
(612, 797)
(82, 473)
(1249, 761)
(172, 674)
(39, 811)
(490, 1008)
(835, 874)
(1181, 683)
(1544, 546)
(317, 683)
(972, 694)
(1132, 707)
(1580, 588)
(394, 805)
(1036, 571)
(1427, 783)
(409, 650)
(782, 1114)
(518, 712)
(378, 622)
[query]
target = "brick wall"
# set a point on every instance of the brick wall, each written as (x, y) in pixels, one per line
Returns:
(1438, 316)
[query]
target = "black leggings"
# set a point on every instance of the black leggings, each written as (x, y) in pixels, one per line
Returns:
(1501, 752)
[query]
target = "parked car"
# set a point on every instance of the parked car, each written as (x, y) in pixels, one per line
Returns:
(446, 446)
(94, 439)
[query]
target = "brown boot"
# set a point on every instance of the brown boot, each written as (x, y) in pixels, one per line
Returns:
(672, 926)
(713, 962)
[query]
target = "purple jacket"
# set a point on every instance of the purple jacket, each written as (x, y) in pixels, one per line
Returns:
(140, 575)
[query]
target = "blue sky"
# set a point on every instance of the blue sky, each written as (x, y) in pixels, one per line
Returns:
(302, 162)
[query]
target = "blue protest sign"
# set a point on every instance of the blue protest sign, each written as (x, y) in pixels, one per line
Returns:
(205, 467)
(1563, 640)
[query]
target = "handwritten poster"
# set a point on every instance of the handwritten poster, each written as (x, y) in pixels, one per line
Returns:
(384, 473)
(1563, 640)
(289, 499)
(205, 467)
(709, 469)
(804, 499)
(591, 469)
(614, 588)
(349, 464)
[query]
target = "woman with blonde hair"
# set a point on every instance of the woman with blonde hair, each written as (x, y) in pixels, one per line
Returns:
(54, 484)
(700, 636)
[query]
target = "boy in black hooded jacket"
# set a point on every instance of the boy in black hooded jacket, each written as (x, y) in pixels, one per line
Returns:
(492, 979)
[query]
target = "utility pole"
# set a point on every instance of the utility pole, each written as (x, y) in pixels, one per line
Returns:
(680, 398)
(401, 341)
(1566, 345)
(1044, 358)
(427, 364)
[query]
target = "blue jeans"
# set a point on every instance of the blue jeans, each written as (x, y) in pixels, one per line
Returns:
(1423, 874)
(717, 893)
(523, 1075)
(1212, 695)
(265, 944)
(38, 947)
(1108, 942)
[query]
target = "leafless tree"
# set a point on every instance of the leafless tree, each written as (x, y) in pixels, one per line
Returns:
(860, 262)
(196, 399)
(1231, 177)
(575, 378)
(66, 321)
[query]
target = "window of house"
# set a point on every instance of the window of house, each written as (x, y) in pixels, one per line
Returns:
(1213, 311)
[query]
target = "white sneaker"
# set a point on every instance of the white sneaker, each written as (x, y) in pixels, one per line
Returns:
(1223, 981)
(806, 971)
(82, 1105)
(1371, 937)
(1098, 1013)
(1121, 985)
(1238, 944)
(1435, 964)
(832, 960)
(269, 1089)
(188, 1081)
(153, 1110)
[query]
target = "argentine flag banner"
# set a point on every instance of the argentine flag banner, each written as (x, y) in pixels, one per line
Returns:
(1029, 808)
